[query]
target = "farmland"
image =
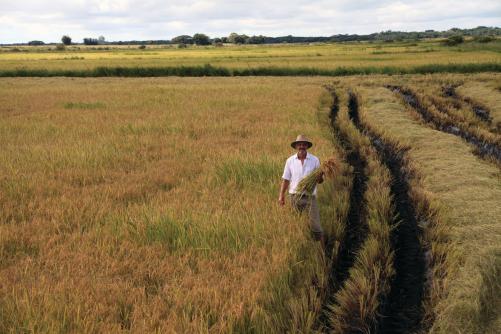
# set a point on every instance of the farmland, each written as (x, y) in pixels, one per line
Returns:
(152, 189)
(376, 56)
(149, 204)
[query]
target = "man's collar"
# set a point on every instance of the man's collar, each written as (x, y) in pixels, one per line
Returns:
(307, 156)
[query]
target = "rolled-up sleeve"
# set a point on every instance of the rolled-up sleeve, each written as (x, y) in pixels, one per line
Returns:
(287, 171)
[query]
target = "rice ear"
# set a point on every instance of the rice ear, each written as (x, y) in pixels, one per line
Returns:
(307, 184)
(330, 167)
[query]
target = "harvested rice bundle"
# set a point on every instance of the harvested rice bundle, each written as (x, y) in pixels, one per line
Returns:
(308, 184)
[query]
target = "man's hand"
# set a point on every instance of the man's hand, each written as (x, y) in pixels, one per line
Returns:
(283, 189)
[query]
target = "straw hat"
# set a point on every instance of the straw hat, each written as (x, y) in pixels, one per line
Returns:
(301, 138)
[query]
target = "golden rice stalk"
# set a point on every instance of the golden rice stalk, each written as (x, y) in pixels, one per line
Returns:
(327, 168)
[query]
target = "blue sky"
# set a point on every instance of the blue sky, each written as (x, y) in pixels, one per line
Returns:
(22, 21)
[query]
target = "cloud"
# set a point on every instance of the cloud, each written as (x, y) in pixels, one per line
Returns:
(21, 21)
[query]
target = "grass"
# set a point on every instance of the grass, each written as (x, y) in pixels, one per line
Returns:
(208, 70)
(83, 105)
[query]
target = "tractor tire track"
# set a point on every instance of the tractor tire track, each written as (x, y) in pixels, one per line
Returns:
(355, 222)
(401, 311)
(480, 111)
(482, 148)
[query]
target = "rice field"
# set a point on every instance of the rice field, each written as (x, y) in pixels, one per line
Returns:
(140, 205)
(150, 204)
(322, 56)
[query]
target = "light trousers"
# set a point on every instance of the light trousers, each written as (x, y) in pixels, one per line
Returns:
(310, 205)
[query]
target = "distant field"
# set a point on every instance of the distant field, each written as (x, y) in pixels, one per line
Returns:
(320, 56)
(150, 204)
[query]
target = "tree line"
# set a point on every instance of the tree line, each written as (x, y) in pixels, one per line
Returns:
(386, 36)
(235, 38)
(67, 40)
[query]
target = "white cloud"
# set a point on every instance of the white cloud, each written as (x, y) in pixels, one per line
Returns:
(25, 20)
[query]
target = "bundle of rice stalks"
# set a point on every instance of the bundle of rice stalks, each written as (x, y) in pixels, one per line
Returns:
(328, 168)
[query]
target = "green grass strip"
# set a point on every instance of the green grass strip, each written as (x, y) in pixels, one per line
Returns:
(212, 71)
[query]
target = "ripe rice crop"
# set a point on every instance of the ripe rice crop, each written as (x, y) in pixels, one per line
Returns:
(150, 204)
(329, 168)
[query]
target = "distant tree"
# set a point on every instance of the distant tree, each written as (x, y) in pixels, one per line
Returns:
(224, 40)
(237, 39)
(201, 39)
(484, 39)
(216, 40)
(182, 39)
(243, 39)
(289, 39)
(454, 40)
(90, 41)
(101, 40)
(66, 40)
(36, 43)
(256, 39)
(232, 37)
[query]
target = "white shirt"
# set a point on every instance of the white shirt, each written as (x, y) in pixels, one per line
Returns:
(295, 171)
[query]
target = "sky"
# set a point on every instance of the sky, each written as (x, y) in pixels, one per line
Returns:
(48, 20)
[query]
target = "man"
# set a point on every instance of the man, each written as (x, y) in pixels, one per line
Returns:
(296, 168)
